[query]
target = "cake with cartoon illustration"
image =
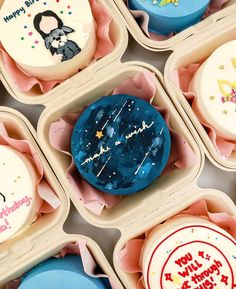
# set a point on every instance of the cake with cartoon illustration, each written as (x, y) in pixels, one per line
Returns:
(189, 252)
(50, 40)
(168, 16)
(67, 272)
(214, 85)
(18, 198)
(120, 144)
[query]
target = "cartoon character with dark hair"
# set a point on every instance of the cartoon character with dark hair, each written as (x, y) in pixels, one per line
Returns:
(54, 33)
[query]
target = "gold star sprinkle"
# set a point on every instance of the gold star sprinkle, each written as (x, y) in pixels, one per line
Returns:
(212, 97)
(99, 134)
(221, 67)
(234, 62)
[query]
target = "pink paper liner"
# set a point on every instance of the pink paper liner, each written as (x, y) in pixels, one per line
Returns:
(142, 19)
(48, 201)
(143, 86)
(129, 257)
(89, 264)
(182, 78)
(105, 45)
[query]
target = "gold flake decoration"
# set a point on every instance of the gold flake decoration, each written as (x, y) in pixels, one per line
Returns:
(234, 62)
(166, 2)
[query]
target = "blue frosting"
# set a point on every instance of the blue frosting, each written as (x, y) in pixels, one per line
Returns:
(120, 144)
(171, 18)
(62, 274)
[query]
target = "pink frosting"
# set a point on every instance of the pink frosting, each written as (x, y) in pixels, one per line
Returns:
(143, 86)
(89, 264)
(129, 257)
(182, 78)
(49, 202)
(143, 19)
(104, 46)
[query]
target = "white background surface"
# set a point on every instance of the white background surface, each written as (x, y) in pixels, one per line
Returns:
(211, 177)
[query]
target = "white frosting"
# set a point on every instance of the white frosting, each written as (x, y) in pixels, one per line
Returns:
(38, 54)
(189, 252)
(17, 192)
(213, 81)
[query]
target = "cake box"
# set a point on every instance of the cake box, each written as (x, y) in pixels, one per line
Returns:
(199, 48)
(171, 43)
(217, 202)
(102, 84)
(137, 213)
(118, 35)
(45, 238)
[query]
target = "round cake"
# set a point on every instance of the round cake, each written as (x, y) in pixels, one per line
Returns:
(214, 85)
(167, 16)
(50, 40)
(120, 144)
(62, 274)
(189, 252)
(17, 192)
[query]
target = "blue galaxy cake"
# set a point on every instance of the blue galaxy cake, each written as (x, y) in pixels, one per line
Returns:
(120, 144)
(167, 16)
(62, 274)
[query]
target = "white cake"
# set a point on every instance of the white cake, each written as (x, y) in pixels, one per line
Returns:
(215, 87)
(18, 198)
(189, 252)
(50, 40)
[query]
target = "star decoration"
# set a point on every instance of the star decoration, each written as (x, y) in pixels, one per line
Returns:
(99, 134)
(201, 254)
(224, 279)
(208, 257)
(168, 277)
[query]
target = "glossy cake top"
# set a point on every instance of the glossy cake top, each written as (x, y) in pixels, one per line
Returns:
(120, 144)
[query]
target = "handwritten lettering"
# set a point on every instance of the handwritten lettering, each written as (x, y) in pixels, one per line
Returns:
(129, 136)
(184, 260)
(140, 130)
(6, 211)
(20, 11)
(97, 155)
(9, 210)
(214, 268)
(190, 268)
